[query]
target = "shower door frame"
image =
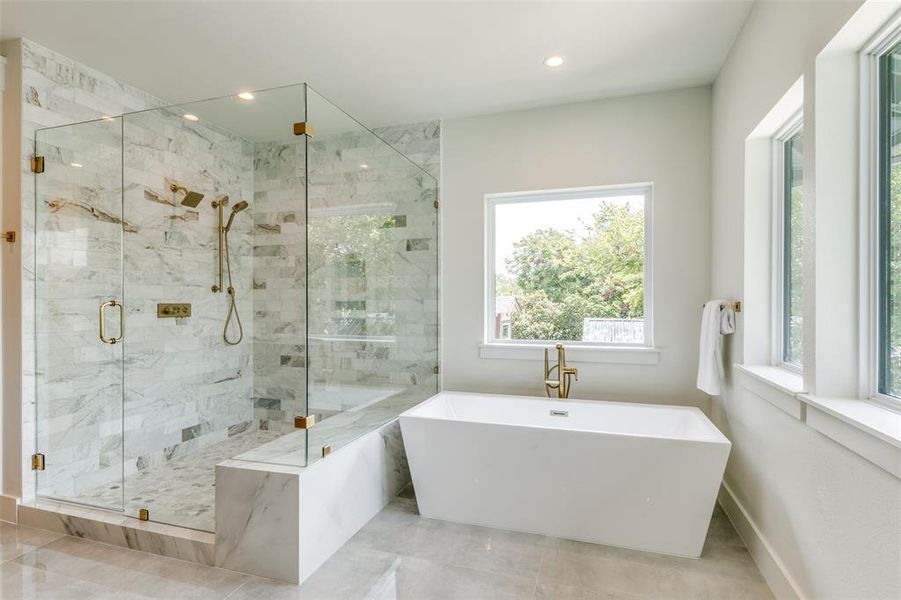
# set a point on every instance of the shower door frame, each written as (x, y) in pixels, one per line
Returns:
(52, 158)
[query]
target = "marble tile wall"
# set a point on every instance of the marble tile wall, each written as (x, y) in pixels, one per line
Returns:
(279, 297)
(373, 271)
(58, 91)
(183, 387)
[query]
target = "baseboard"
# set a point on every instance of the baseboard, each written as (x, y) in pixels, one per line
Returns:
(771, 566)
(8, 508)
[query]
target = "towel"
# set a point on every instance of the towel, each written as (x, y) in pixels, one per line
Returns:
(717, 320)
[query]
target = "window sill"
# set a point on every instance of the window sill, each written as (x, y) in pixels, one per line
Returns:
(866, 428)
(621, 355)
(777, 385)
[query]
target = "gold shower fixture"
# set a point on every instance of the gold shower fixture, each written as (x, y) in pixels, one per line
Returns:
(191, 199)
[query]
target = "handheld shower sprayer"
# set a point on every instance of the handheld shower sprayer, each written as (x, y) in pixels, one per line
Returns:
(235, 210)
(232, 307)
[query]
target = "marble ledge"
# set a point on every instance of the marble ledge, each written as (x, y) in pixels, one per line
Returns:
(120, 530)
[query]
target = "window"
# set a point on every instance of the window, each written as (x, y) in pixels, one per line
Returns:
(569, 265)
(889, 225)
(789, 250)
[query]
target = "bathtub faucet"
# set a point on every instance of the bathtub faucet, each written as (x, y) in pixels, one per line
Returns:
(562, 383)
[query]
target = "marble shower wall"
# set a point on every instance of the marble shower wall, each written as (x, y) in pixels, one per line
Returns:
(279, 297)
(184, 388)
(58, 91)
(373, 271)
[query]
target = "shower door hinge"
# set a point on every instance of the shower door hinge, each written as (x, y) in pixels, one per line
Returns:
(37, 462)
(436, 369)
(37, 164)
(304, 422)
(303, 128)
(144, 514)
(437, 204)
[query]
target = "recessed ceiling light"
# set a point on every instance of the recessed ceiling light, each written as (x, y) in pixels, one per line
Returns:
(245, 96)
(76, 165)
(554, 61)
(364, 166)
(190, 117)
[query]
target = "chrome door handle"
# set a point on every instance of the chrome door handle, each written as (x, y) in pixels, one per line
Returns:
(103, 338)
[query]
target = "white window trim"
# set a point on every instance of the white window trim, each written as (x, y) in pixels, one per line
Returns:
(792, 126)
(493, 348)
(868, 273)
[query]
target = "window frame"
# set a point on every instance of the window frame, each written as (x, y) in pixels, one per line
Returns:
(492, 200)
(872, 198)
(781, 206)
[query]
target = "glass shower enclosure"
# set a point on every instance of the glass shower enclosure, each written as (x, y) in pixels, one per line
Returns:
(252, 277)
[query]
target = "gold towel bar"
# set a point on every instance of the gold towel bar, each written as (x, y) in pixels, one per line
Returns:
(733, 304)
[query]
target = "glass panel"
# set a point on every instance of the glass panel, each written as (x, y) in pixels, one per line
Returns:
(793, 240)
(373, 279)
(78, 267)
(213, 207)
(890, 225)
(569, 266)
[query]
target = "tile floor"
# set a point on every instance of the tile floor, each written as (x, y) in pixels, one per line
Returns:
(398, 555)
(183, 490)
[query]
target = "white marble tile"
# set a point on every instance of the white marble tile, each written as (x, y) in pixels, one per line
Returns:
(118, 530)
(258, 520)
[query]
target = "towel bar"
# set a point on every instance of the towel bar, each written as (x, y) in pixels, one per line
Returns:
(734, 305)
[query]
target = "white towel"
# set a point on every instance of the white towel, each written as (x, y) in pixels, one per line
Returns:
(715, 322)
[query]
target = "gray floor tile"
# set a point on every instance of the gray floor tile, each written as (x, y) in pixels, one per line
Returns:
(20, 582)
(396, 556)
(130, 572)
(16, 540)
(501, 552)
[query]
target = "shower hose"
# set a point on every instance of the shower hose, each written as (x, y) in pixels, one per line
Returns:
(232, 308)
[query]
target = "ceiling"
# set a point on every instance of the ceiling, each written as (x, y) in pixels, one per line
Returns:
(392, 62)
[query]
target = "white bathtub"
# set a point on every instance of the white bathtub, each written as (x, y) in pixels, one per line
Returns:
(638, 476)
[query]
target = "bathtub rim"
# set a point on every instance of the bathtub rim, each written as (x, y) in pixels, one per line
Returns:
(717, 436)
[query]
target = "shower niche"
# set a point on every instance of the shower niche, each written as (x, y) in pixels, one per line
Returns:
(213, 278)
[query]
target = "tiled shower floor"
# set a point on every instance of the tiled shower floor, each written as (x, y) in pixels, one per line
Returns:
(181, 492)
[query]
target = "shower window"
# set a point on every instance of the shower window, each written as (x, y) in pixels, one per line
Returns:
(569, 265)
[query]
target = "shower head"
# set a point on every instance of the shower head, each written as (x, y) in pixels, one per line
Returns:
(238, 207)
(191, 199)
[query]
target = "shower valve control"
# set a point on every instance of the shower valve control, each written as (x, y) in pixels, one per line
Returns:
(173, 310)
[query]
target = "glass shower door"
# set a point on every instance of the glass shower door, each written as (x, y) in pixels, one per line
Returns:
(78, 313)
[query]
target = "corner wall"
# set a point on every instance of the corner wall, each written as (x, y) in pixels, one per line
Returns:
(821, 521)
(662, 138)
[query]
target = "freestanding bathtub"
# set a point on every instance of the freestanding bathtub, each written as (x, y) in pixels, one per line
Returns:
(638, 476)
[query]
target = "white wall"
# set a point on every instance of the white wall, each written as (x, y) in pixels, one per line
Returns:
(663, 138)
(829, 520)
